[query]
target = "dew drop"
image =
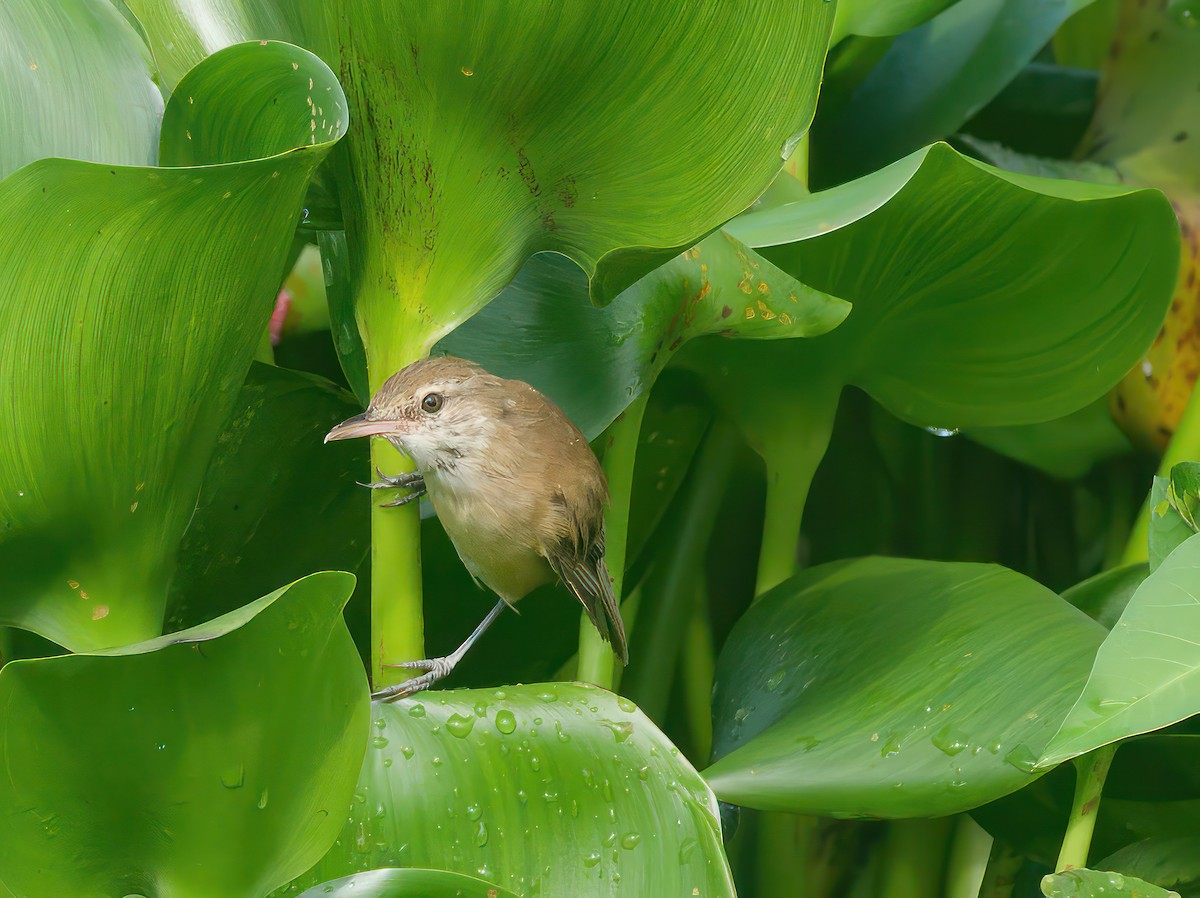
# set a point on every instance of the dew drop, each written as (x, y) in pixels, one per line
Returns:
(630, 841)
(506, 722)
(460, 725)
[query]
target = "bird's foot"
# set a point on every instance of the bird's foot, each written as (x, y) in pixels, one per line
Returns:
(411, 481)
(435, 669)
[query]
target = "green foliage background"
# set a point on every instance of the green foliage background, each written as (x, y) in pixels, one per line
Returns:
(839, 289)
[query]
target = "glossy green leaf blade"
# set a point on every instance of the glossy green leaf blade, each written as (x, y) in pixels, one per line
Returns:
(1145, 674)
(1103, 597)
(215, 761)
(77, 82)
(127, 335)
(1174, 862)
(485, 133)
(978, 296)
(182, 33)
(396, 883)
(932, 80)
(893, 688)
(1098, 884)
(1167, 529)
(276, 502)
(554, 789)
(543, 329)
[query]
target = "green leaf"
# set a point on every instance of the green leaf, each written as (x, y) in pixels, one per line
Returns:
(553, 789)
(932, 80)
(1144, 675)
(593, 362)
(529, 128)
(407, 884)
(129, 332)
(215, 761)
(1103, 597)
(276, 503)
(78, 83)
(1168, 530)
(1183, 492)
(1082, 883)
(1009, 322)
(1173, 862)
(893, 688)
(460, 164)
(873, 18)
(1085, 38)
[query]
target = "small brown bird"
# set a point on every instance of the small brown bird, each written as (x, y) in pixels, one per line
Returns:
(513, 481)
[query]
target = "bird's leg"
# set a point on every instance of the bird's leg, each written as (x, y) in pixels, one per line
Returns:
(411, 480)
(436, 668)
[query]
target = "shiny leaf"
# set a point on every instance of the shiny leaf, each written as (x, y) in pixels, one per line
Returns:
(276, 503)
(1103, 597)
(214, 761)
(1167, 529)
(893, 688)
(128, 334)
(873, 18)
(1144, 675)
(933, 79)
(948, 338)
(1172, 862)
(78, 83)
(593, 362)
(554, 789)
(1098, 884)
(395, 883)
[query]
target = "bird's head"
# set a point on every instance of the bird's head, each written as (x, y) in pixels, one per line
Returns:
(436, 411)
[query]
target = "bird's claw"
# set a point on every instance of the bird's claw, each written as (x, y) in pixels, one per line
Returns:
(435, 669)
(410, 480)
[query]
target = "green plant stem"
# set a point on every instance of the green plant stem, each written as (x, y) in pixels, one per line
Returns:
(1090, 772)
(914, 858)
(1184, 446)
(787, 844)
(596, 660)
(698, 669)
(791, 463)
(666, 598)
(970, 848)
(397, 612)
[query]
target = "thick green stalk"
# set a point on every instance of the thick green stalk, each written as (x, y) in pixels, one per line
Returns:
(688, 527)
(914, 858)
(596, 660)
(791, 462)
(970, 848)
(1090, 772)
(698, 669)
(397, 613)
(1184, 446)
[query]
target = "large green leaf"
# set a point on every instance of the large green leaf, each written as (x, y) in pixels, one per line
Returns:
(554, 789)
(276, 503)
(78, 82)
(481, 134)
(214, 761)
(1144, 675)
(893, 688)
(1171, 862)
(127, 334)
(931, 80)
(396, 883)
(978, 299)
(593, 362)
(1098, 884)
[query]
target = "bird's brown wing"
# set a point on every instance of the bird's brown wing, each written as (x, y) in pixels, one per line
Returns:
(587, 577)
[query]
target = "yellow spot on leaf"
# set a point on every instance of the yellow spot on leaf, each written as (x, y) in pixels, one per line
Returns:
(74, 584)
(749, 312)
(100, 611)
(133, 508)
(468, 72)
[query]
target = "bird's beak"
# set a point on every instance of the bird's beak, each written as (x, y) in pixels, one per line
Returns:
(359, 426)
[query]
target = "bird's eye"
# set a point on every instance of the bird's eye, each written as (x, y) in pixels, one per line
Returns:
(432, 403)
